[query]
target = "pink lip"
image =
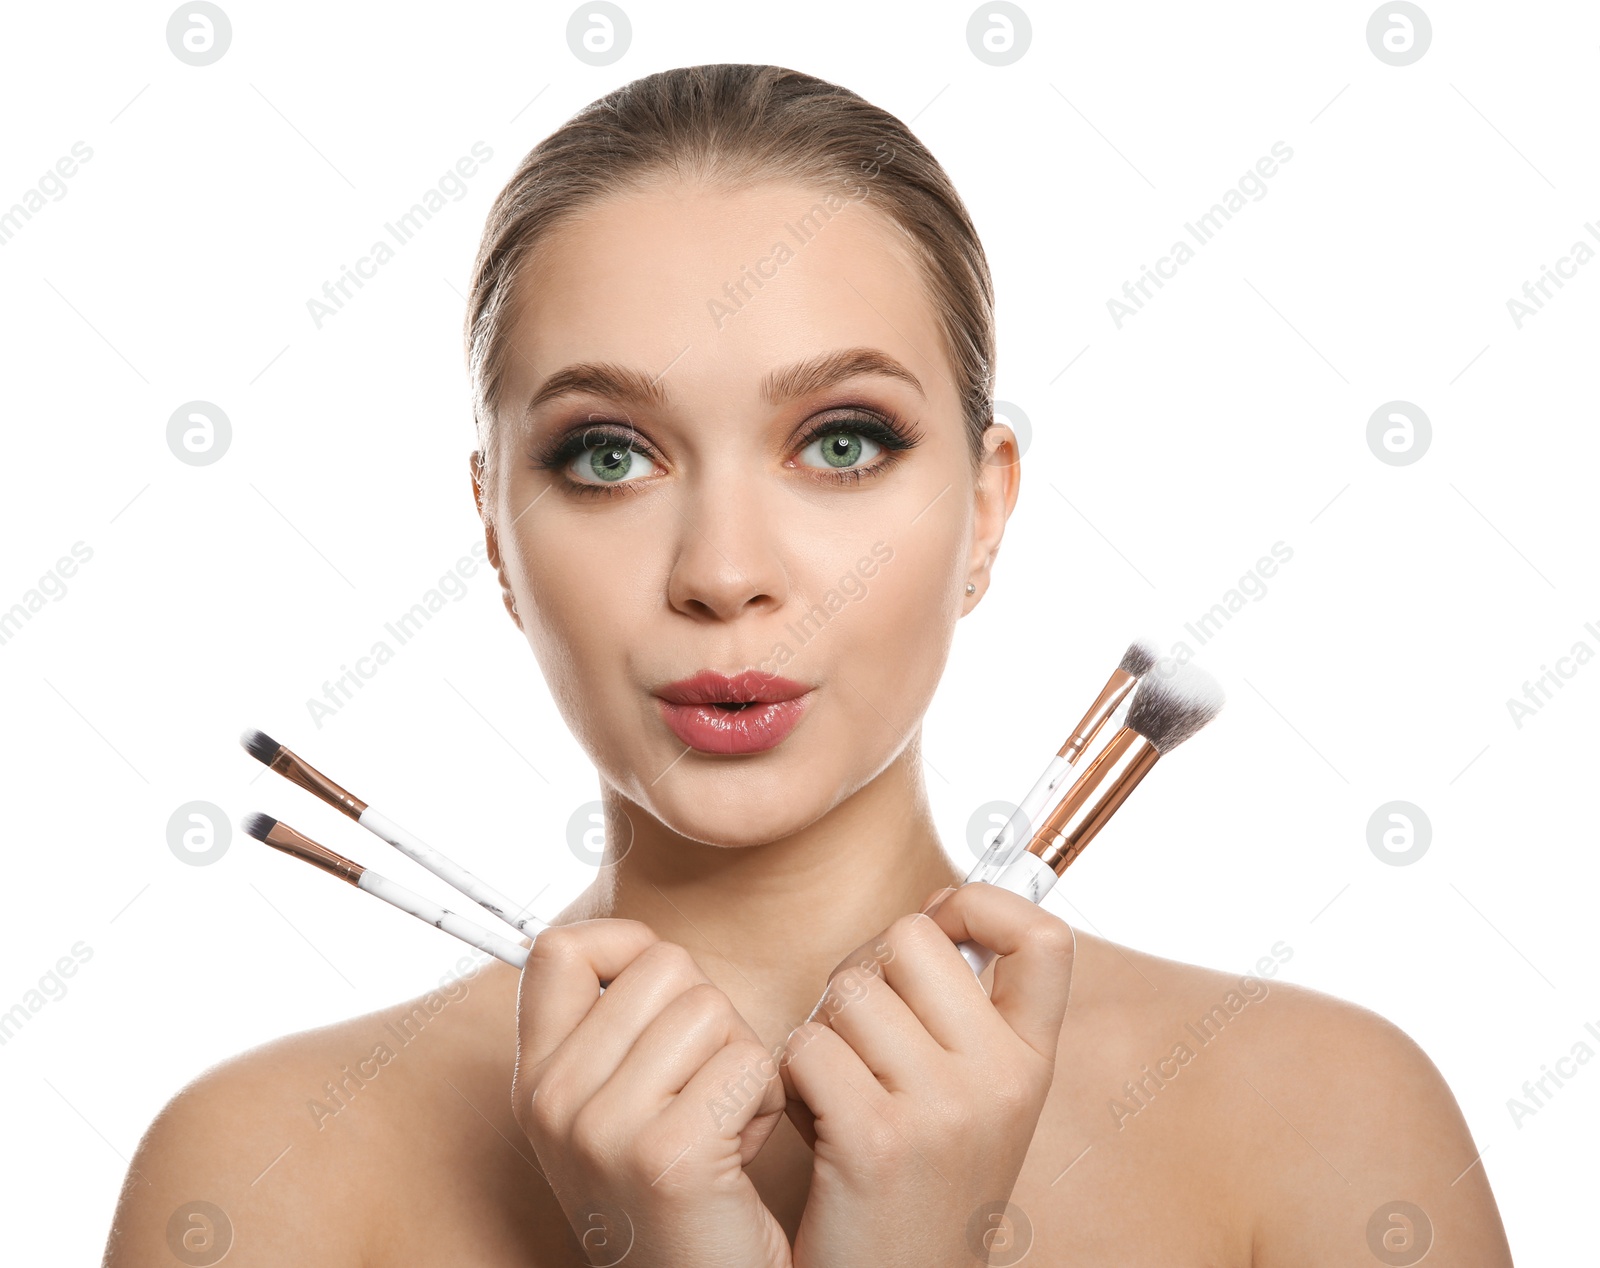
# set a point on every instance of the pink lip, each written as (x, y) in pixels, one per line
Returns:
(690, 707)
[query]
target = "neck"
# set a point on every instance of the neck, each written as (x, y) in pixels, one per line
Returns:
(768, 923)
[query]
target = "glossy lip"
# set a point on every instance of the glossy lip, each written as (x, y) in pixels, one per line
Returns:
(774, 706)
(725, 731)
(747, 686)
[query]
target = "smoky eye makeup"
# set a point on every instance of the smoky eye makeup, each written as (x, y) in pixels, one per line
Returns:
(558, 451)
(611, 452)
(838, 437)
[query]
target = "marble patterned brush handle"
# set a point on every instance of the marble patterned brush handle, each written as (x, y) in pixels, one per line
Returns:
(454, 875)
(397, 895)
(1029, 876)
(1009, 841)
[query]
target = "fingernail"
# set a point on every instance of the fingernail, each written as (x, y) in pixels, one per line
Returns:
(937, 899)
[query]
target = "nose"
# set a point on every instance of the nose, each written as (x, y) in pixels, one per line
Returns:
(726, 562)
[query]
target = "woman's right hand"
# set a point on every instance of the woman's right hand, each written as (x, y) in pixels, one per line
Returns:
(645, 1103)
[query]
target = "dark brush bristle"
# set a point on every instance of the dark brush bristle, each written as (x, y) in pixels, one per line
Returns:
(1172, 702)
(258, 825)
(1139, 657)
(260, 745)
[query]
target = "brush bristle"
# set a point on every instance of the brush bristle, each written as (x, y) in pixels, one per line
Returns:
(1172, 702)
(1139, 657)
(258, 825)
(260, 745)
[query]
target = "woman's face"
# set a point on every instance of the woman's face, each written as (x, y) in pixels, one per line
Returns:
(745, 451)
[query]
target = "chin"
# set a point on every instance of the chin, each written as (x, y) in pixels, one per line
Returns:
(733, 808)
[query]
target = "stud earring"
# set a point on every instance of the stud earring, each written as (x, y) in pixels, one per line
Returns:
(971, 589)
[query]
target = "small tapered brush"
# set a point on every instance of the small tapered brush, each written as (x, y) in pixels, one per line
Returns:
(297, 770)
(280, 836)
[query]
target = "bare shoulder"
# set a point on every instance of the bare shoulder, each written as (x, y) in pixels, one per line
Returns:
(297, 1150)
(1323, 1128)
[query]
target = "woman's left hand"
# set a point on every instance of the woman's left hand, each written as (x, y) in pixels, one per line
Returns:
(918, 1092)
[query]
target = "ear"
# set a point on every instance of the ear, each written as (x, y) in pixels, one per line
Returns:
(999, 478)
(490, 540)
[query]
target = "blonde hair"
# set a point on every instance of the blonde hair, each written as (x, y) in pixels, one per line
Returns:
(735, 125)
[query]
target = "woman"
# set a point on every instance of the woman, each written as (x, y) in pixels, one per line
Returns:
(731, 345)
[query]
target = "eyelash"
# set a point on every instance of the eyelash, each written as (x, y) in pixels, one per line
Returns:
(893, 435)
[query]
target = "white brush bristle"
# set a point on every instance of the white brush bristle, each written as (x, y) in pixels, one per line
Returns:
(1172, 702)
(1141, 655)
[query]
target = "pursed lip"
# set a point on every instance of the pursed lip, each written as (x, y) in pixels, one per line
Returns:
(708, 686)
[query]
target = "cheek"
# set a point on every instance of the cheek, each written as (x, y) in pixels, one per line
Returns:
(895, 634)
(579, 610)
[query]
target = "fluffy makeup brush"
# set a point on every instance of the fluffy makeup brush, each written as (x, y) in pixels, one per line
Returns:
(1110, 705)
(1173, 701)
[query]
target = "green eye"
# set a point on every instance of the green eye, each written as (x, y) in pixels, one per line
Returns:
(843, 447)
(609, 462)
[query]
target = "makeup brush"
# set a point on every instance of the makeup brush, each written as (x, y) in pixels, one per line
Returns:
(280, 836)
(1110, 704)
(1172, 703)
(297, 770)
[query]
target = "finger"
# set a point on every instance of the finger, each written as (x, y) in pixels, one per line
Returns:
(1033, 977)
(737, 1093)
(865, 1011)
(828, 1077)
(667, 1053)
(922, 966)
(651, 984)
(561, 980)
(800, 1115)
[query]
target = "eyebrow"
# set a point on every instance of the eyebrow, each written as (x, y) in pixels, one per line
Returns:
(630, 387)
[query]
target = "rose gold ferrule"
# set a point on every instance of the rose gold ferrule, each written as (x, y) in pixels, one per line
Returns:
(299, 771)
(1111, 695)
(283, 837)
(1093, 799)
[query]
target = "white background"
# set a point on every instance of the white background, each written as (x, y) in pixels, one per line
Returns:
(1227, 416)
